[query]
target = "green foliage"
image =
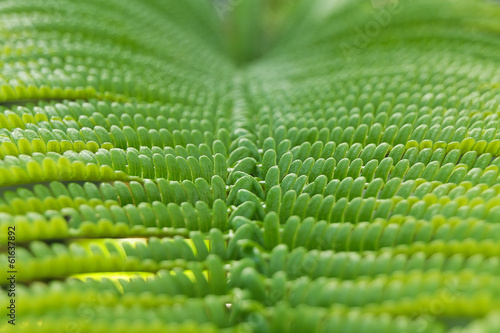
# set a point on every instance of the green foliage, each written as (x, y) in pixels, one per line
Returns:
(251, 166)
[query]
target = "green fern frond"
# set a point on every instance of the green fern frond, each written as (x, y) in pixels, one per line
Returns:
(250, 166)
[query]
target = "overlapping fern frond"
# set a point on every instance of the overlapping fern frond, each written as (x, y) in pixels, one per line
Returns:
(251, 166)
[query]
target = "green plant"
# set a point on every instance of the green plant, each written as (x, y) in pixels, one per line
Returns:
(267, 166)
